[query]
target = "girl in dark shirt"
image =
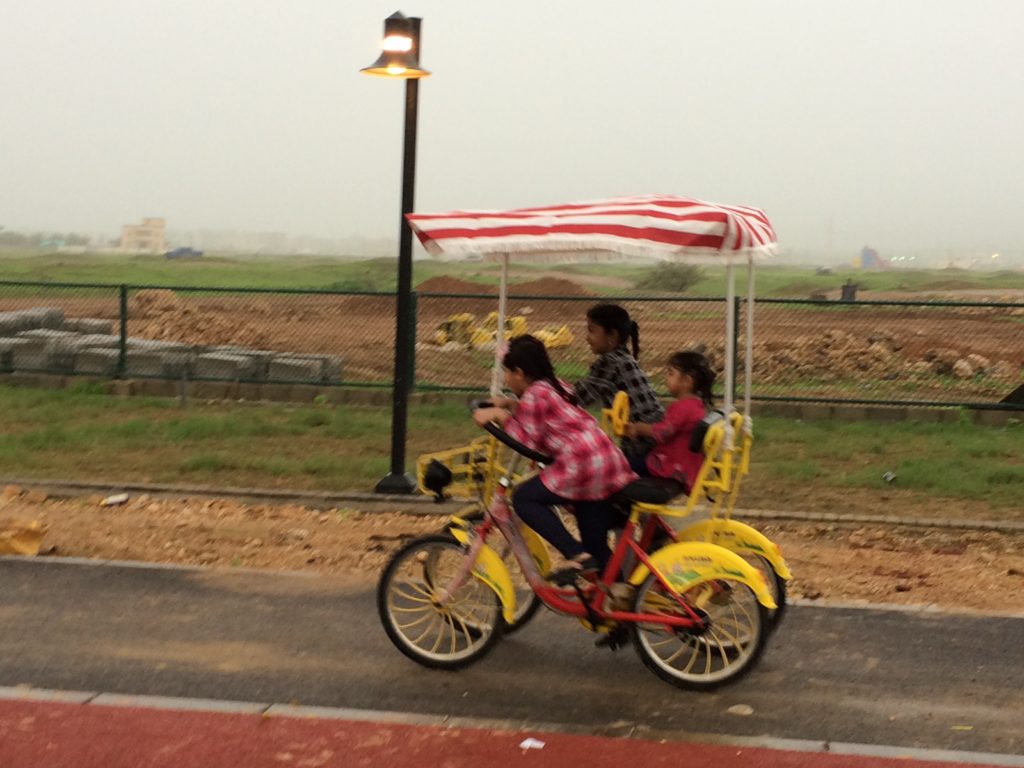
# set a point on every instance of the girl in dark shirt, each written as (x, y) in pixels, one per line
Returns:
(609, 328)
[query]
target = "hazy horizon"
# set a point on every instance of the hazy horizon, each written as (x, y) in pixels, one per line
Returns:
(895, 125)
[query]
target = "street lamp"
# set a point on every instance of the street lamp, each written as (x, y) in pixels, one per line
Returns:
(400, 58)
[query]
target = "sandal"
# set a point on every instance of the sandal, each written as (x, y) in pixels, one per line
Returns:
(565, 577)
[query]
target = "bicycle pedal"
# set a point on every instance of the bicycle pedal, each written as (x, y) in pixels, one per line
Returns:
(613, 640)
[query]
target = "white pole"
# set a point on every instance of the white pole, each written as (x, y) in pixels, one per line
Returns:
(499, 335)
(730, 349)
(749, 360)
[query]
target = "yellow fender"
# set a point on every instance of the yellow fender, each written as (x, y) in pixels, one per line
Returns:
(534, 543)
(737, 537)
(688, 564)
(538, 550)
(491, 571)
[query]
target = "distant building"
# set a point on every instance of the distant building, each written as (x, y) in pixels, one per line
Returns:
(148, 237)
(869, 259)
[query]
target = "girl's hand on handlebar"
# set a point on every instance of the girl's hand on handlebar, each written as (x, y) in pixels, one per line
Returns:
(500, 401)
(485, 415)
(635, 429)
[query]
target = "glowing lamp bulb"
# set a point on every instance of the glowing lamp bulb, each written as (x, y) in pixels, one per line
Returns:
(397, 43)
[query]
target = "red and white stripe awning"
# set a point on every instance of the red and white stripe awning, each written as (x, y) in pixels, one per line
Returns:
(652, 226)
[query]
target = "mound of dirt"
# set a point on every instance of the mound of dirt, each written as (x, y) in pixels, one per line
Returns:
(549, 286)
(165, 316)
(153, 302)
(446, 284)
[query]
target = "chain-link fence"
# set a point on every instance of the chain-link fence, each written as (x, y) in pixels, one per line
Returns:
(860, 352)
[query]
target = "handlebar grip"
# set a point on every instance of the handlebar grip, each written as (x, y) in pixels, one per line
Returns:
(504, 437)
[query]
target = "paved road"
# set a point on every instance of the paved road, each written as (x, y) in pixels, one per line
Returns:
(872, 677)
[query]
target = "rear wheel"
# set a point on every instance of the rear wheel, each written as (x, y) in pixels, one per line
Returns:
(776, 587)
(445, 636)
(722, 651)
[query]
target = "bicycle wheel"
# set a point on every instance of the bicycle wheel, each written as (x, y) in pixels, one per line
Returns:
(438, 636)
(776, 586)
(527, 602)
(703, 659)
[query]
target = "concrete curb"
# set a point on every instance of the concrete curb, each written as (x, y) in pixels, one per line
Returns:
(423, 505)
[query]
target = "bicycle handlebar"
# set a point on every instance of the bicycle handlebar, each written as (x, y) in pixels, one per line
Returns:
(504, 437)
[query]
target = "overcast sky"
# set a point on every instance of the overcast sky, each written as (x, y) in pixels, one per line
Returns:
(901, 123)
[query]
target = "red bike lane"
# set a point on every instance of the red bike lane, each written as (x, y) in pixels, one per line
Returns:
(46, 734)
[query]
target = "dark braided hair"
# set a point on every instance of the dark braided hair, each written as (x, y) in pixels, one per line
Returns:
(694, 364)
(528, 354)
(615, 319)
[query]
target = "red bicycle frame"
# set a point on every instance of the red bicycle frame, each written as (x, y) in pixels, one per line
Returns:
(587, 602)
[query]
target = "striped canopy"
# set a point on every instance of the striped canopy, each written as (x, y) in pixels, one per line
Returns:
(653, 226)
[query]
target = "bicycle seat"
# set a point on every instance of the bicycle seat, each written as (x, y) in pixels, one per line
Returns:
(701, 430)
(648, 490)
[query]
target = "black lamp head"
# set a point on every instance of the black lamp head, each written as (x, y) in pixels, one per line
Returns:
(400, 57)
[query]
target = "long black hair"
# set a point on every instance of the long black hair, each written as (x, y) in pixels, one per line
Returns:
(615, 319)
(699, 369)
(528, 354)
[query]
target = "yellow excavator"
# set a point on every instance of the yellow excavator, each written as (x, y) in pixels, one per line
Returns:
(462, 329)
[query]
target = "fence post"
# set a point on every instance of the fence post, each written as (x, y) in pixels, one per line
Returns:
(411, 341)
(735, 344)
(122, 358)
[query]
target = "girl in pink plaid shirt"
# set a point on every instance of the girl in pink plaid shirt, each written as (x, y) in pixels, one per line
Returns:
(588, 467)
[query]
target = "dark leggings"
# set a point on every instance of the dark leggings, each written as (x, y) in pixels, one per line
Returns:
(638, 463)
(533, 502)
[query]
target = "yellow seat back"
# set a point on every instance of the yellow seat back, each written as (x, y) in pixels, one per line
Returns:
(712, 482)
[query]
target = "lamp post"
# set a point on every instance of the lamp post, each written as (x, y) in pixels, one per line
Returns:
(399, 59)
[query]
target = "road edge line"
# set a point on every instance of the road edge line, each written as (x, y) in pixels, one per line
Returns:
(920, 608)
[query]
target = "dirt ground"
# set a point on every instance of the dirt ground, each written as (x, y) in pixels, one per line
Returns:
(789, 356)
(830, 561)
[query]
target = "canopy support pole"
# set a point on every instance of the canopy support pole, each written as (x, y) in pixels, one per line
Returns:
(730, 349)
(749, 355)
(497, 379)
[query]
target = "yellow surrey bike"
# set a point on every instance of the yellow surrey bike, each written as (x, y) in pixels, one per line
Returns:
(475, 470)
(695, 612)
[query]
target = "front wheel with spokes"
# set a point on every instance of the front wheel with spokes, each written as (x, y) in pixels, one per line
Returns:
(445, 635)
(726, 644)
(527, 602)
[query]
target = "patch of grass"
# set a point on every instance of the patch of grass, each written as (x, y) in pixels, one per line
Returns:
(207, 462)
(572, 370)
(943, 460)
(801, 471)
(344, 273)
(320, 465)
(81, 435)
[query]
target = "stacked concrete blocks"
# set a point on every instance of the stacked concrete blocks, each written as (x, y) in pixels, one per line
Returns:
(42, 340)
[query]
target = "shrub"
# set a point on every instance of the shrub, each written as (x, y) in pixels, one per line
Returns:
(671, 278)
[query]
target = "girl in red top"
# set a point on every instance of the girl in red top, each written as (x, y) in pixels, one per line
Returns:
(689, 378)
(587, 468)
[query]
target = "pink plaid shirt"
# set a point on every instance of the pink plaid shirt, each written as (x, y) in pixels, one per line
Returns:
(588, 466)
